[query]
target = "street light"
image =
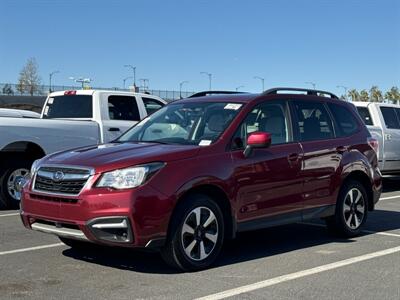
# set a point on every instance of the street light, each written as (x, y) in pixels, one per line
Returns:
(209, 78)
(180, 87)
(345, 88)
(134, 73)
(50, 76)
(239, 87)
(262, 82)
(312, 83)
(125, 79)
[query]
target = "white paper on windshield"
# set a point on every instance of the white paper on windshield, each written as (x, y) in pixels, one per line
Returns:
(205, 143)
(233, 106)
(46, 110)
(51, 100)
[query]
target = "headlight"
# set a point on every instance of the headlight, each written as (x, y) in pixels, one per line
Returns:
(130, 177)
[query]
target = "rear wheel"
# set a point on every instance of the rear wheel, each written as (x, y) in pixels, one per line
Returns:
(196, 235)
(12, 180)
(351, 210)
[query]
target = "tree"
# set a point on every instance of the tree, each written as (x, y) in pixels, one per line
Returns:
(29, 79)
(364, 96)
(393, 95)
(354, 95)
(7, 89)
(375, 94)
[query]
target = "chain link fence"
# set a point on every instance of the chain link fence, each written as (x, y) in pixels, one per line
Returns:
(10, 89)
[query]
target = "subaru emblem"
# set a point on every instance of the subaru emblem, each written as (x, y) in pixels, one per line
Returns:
(58, 176)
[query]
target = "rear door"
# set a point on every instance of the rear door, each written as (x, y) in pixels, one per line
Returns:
(121, 113)
(391, 117)
(315, 130)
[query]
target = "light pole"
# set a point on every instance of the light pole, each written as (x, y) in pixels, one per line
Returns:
(180, 87)
(345, 88)
(312, 83)
(134, 73)
(125, 79)
(262, 82)
(209, 78)
(50, 76)
(239, 87)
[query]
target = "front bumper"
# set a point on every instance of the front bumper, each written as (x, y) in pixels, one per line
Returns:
(130, 218)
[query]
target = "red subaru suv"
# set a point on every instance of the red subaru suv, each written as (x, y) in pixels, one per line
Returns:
(199, 170)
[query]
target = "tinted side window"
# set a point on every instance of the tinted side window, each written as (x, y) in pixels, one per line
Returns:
(365, 115)
(123, 108)
(151, 105)
(345, 120)
(268, 117)
(314, 122)
(390, 117)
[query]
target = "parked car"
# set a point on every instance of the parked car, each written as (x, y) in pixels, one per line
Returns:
(18, 113)
(69, 119)
(199, 170)
(383, 121)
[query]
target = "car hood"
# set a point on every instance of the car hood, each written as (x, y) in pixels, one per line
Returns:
(113, 156)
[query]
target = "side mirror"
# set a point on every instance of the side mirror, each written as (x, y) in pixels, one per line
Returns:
(257, 140)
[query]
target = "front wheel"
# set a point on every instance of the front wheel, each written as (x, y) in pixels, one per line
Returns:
(196, 235)
(351, 210)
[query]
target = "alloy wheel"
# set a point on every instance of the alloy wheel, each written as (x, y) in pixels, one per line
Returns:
(199, 233)
(354, 208)
(15, 183)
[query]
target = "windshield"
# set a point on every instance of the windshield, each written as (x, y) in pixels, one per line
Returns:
(185, 124)
(69, 106)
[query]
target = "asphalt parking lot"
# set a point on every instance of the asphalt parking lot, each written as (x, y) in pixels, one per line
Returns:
(300, 261)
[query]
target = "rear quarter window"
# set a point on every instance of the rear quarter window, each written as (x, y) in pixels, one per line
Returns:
(365, 115)
(391, 117)
(345, 121)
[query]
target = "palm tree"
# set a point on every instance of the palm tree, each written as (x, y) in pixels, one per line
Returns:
(375, 94)
(393, 95)
(354, 95)
(364, 96)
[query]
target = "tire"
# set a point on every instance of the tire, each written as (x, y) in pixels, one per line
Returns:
(13, 173)
(351, 210)
(75, 244)
(196, 234)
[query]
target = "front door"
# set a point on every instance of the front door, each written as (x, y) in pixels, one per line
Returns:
(268, 182)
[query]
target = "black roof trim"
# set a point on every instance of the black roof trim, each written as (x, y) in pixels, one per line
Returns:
(210, 93)
(308, 91)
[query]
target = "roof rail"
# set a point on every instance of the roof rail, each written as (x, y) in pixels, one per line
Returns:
(209, 93)
(308, 91)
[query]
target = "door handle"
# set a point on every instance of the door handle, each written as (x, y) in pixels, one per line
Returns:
(114, 129)
(341, 149)
(294, 157)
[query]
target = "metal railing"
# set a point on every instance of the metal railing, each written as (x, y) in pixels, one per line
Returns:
(11, 89)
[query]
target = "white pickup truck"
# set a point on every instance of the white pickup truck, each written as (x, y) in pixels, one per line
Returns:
(69, 119)
(383, 122)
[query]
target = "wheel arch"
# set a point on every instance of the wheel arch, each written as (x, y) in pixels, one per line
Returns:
(28, 149)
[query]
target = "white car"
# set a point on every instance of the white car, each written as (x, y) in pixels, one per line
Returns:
(383, 122)
(18, 113)
(69, 119)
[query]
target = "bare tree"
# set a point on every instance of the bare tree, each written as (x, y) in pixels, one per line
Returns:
(29, 79)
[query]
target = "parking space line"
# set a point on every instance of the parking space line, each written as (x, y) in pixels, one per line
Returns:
(9, 215)
(31, 249)
(365, 231)
(300, 274)
(388, 198)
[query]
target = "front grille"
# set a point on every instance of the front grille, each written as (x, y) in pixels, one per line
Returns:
(53, 199)
(70, 180)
